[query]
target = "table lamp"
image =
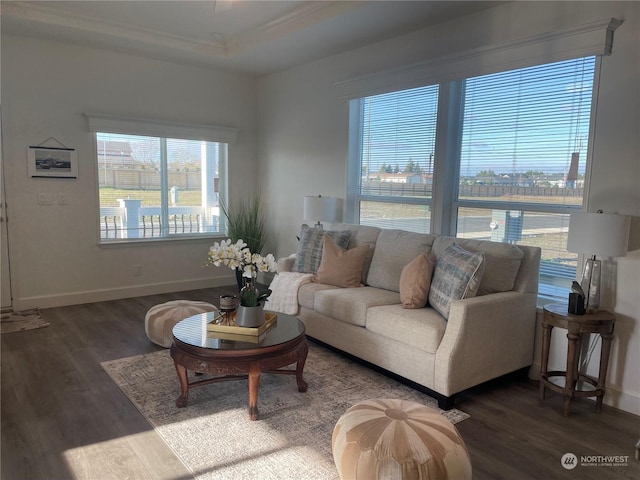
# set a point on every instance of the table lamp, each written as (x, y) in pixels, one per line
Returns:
(602, 234)
(320, 209)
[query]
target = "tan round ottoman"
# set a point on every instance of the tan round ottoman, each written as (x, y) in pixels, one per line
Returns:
(397, 439)
(160, 319)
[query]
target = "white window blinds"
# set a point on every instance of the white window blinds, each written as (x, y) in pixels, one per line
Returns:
(396, 158)
(523, 156)
(528, 127)
(398, 140)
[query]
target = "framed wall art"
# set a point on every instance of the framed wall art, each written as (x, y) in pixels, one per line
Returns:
(52, 162)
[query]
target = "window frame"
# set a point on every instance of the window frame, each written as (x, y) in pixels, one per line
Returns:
(354, 184)
(227, 136)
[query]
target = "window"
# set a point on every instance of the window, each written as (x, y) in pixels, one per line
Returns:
(155, 187)
(523, 152)
(515, 146)
(397, 151)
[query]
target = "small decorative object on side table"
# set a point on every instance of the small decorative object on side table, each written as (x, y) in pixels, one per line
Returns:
(601, 322)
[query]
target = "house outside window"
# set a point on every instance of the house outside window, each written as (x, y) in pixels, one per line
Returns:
(159, 180)
(507, 164)
(155, 187)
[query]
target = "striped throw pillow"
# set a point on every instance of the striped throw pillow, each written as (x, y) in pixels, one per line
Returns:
(457, 276)
(309, 253)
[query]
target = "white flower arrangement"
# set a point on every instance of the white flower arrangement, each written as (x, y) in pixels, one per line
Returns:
(238, 257)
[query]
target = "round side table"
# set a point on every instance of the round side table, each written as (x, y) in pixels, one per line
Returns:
(601, 322)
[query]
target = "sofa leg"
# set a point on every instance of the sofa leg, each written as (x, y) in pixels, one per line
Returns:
(445, 403)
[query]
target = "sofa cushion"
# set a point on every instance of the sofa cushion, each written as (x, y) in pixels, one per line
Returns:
(415, 280)
(360, 235)
(394, 249)
(421, 328)
(350, 304)
(457, 276)
(340, 267)
(501, 261)
(307, 292)
(309, 252)
(285, 264)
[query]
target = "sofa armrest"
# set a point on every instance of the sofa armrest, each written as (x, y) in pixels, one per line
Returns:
(285, 264)
(486, 337)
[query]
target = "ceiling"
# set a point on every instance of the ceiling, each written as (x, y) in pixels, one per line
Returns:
(255, 37)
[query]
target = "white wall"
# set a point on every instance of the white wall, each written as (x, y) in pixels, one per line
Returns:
(46, 88)
(304, 125)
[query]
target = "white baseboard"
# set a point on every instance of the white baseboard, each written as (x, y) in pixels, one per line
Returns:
(614, 397)
(101, 295)
(627, 401)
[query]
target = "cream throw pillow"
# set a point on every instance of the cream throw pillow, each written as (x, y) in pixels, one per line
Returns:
(415, 281)
(339, 267)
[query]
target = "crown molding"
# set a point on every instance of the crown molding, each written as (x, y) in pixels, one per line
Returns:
(46, 15)
(300, 17)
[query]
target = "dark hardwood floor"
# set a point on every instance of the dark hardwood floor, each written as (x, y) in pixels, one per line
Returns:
(62, 416)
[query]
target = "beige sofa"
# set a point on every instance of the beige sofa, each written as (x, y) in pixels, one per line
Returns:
(484, 337)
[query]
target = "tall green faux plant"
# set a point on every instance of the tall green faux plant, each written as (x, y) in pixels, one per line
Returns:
(246, 222)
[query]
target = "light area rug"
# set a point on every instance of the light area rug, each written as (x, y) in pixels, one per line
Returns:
(21, 321)
(214, 437)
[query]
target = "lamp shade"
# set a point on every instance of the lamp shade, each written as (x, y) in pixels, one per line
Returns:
(602, 234)
(320, 209)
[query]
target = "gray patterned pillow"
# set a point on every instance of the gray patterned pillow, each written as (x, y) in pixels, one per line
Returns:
(457, 276)
(309, 253)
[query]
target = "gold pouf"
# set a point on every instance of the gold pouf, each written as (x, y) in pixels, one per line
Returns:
(398, 439)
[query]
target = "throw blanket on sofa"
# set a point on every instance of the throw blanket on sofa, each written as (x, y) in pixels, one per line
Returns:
(284, 292)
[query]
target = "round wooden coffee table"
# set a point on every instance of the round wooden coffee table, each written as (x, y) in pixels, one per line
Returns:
(196, 349)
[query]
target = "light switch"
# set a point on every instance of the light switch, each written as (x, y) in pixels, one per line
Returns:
(45, 198)
(62, 198)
